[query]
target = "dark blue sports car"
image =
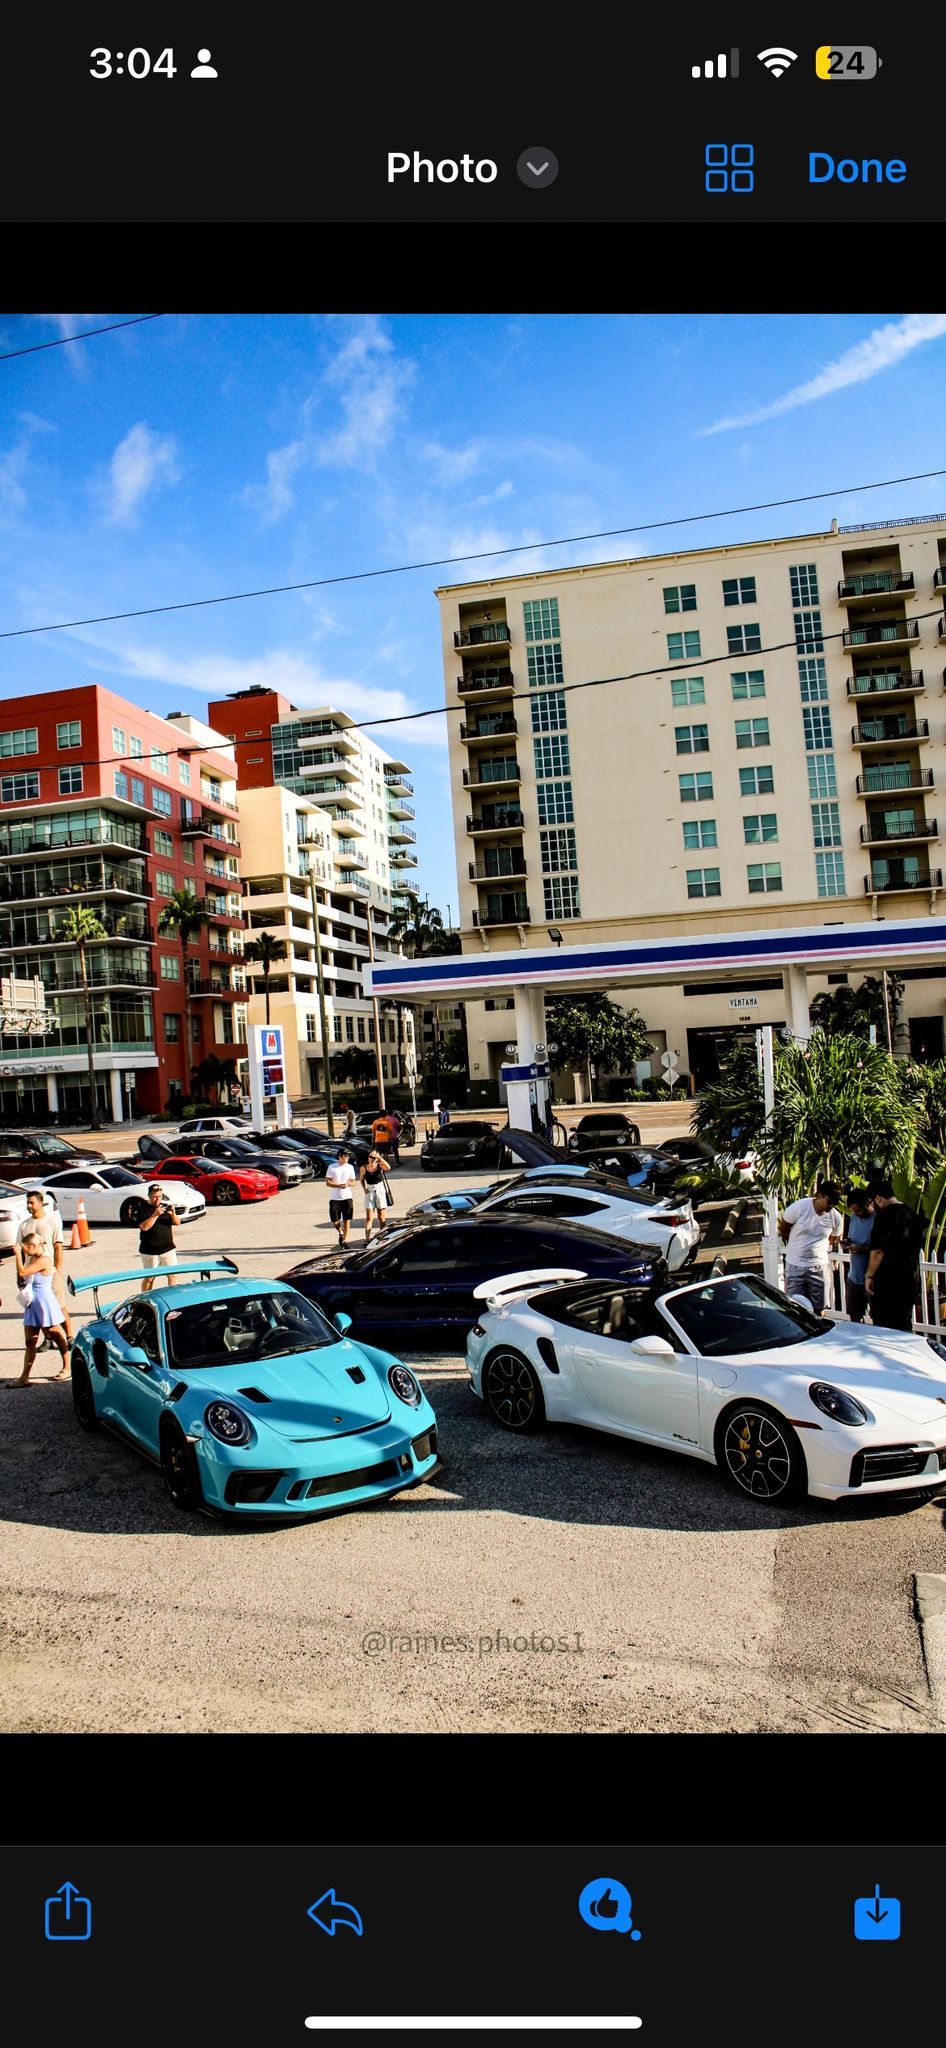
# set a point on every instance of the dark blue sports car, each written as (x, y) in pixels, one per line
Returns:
(419, 1280)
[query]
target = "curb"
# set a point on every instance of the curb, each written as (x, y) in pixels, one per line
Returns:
(930, 1597)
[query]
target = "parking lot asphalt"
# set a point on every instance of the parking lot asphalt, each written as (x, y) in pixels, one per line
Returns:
(561, 1582)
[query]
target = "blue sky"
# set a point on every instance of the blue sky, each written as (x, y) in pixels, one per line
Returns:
(197, 455)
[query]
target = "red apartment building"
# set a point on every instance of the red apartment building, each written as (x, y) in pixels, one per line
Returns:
(108, 806)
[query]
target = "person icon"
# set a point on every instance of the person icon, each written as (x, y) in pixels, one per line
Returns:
(203, 67)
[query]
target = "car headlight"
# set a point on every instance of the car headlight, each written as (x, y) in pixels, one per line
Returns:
(228, 1424)
(840, 1406)
(935, 1345)
(404, 1385)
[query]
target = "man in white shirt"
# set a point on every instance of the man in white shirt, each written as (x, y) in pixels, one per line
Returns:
(47, 1224)
(811, 1228)
(340, 1178)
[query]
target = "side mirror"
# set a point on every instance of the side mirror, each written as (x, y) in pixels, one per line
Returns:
(342, 1322)
(653, 1347)
(136, 1356)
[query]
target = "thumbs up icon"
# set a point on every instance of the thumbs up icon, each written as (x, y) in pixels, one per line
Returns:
(68, 1915)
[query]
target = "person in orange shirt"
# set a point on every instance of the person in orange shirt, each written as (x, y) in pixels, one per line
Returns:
(382, 1134)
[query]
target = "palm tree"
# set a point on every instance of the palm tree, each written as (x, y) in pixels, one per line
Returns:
(421, 931)
(183, 917)
(841, 1109)
(266, 950)
(210, 1076)
(81, 927)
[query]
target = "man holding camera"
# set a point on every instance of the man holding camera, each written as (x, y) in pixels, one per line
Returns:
(156, 1235)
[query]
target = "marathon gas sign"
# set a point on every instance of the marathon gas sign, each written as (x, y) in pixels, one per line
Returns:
(269, 1040)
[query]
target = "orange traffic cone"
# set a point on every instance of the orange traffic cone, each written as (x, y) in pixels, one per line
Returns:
(82, 1224)
(75, 1241)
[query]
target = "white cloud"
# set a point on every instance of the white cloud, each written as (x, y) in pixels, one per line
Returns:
(881, 350)
(454, 465)
(503, 490)
(141, 461)
(276, 496)
(370, 382)
(15, 463)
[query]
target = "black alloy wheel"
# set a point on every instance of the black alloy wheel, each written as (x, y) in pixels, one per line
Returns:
(82, 1396)
(513, 1393)
(760, 1453)
(226, 1191)
(179, 1468)
(131, 1210)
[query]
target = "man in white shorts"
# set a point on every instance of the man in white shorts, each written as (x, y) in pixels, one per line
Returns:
(47, 1224)
(156, 1234)
(340, 1179)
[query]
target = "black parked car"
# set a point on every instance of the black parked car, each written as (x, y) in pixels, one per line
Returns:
(415, 1285)
(26, 1154)
(289, 1170)
(603, 1127)
(462, 1145)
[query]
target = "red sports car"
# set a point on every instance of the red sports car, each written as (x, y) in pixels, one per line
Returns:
(215, 1183)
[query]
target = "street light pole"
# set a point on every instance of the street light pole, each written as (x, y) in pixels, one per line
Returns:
(377, 1014)
(323, 1020)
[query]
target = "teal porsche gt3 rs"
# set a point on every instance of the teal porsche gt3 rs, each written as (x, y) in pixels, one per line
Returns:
(249, 1398)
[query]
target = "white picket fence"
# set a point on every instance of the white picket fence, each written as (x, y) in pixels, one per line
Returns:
(930, 1323)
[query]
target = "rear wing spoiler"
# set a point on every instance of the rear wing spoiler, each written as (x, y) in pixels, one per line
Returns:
(205, 1267)
(507, 1285)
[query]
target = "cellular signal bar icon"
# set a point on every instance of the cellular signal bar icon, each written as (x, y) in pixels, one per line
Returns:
(717, 67)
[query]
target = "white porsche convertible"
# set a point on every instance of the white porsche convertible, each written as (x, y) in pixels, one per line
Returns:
(727, 1370)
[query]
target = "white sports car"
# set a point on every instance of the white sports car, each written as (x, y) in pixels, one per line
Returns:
(601, 1200)
(112, 1195)
(14, 1211)
(727, 1370)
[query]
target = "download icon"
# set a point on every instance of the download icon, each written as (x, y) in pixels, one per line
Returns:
(876, 1919)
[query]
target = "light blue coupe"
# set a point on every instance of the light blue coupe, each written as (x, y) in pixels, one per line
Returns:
(251, 1401)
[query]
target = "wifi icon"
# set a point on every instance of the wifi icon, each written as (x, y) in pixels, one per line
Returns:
(777, 61)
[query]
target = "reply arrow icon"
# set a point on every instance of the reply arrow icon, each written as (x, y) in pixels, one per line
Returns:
(330, 1912)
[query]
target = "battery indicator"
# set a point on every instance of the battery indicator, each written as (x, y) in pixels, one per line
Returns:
(846, 61)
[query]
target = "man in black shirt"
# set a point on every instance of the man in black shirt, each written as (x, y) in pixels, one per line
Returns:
(894, 1262)
(156, 1235)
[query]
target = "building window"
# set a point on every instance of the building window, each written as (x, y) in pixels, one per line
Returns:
(752, 732)
(817, 722)
(196, 1028)
(172, 1028)
(70, 781)
(350, 1030)
(699, 832)
(756, 781)
(164, 884)
(692, 739)
(540, 618)
(739, 590)
(336, 1028)
(696, 789)
(187, 852)
(829, 868)
(544, 665)
(804, 581)
(184, 773)
(160, 765)
(163, 843)
(384, 1066)
(555, 803)
(311, 1028)
(121, 782)
(69, 733)
(23, 739)
(743, 639)
(809, 638)
(680, 597)
(703, 882)
(748, 682)
(361, 1030)
(371, 1037)
(136, 748)
(561, 896)
(160, 798)
(688, 690)
(826, 824)
(683, 646)
(138, 793)
(765, 878)
(17, 789)
(170, 967)
(759, 826)
(822, 780)
(392, 1031)
(813, 678)
(548, 712)
(552, 756)
(558, 852)
(118, 739)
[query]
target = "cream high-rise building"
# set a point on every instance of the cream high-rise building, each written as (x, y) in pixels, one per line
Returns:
(771, 752)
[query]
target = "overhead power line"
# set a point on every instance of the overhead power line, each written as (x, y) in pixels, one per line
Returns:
(83, 335)
(451, 561)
